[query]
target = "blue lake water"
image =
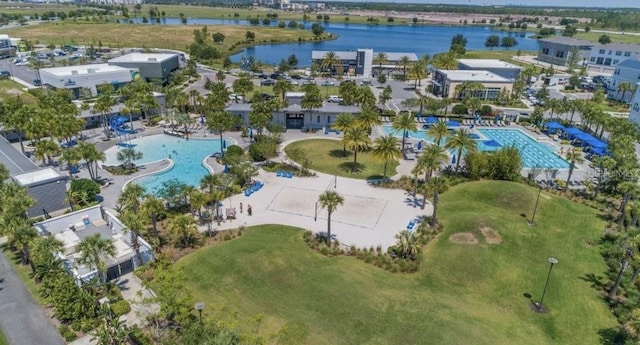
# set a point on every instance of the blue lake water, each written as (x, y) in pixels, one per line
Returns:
(419, 39)
(187, 156)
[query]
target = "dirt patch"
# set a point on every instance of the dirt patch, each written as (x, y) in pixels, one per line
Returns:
(463, 238)
(490, 236)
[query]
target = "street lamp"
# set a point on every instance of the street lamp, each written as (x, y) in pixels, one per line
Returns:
(199, 307)
(552, 261)
(535, 208)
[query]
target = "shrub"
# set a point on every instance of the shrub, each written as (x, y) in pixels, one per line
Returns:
(66, 333)
(85, 186)
(324, 251)
(120, 308)
(460, 109)
(234, 150)
(485, 110)
(227, 237)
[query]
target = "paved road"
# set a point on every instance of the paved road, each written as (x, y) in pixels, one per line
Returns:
(22, 320)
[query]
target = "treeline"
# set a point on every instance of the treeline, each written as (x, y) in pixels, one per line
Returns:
(623, 21)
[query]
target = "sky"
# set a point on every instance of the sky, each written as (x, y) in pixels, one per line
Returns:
(565, 3)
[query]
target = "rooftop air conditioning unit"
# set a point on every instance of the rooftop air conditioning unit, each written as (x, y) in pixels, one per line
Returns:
(152, 60)
(91, 71)
(74, 72)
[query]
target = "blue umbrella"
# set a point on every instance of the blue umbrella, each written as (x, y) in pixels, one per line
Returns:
(251, 133)
(226, 169)
(453, 160)
(420, 145)
(202, 120)
(224, 144)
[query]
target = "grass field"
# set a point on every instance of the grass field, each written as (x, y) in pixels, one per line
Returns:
(464, 294)
(153, 36)
(3, 340)
(326, 156)
(615, 38)
(10, 88)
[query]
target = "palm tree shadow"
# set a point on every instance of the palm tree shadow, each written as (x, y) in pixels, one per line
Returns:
(351, 167)
(338, 153)
(596, 281)
(611, 336)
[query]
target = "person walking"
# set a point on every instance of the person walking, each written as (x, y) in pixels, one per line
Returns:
(249, 210)
(240, 207)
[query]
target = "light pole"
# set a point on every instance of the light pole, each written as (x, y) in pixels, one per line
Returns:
(535, 208)
(552, 261)
(199, 307)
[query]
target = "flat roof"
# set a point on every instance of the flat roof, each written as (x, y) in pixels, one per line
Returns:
(36, 176)
(396, 56)
(13, 159)
(143, 57)
(83, 69)
(477, 76)
(343, 55)
(487, 63)
(568, 41)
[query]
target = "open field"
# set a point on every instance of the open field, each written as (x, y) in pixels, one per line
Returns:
(155, 36)
(10, 88)
(326, 156)
(464, 294)
(615, 38)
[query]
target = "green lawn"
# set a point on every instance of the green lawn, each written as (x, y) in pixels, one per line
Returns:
(9, 88)
(615, 38)
(3, 340)
(326, 156)
(464, 294)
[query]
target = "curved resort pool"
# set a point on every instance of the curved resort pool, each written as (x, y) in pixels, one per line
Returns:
(187, 156)
(533, 153)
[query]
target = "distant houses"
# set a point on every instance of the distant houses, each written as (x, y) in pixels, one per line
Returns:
(361, 62)
(625, 79)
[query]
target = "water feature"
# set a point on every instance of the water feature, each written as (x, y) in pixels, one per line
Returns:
(187, 156)
(419, 39)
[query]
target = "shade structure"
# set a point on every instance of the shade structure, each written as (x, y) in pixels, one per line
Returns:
(492, 143)
(599, 151)
(572, 131)
(431, 119)
(452, 123)
(596, 143)
(554, 125)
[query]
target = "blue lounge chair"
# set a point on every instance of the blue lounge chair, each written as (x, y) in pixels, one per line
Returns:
(278, 173)
(289, 175)
(248, 192)
(411, 225)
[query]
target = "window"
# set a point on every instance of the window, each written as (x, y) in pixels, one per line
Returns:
(618, 53)
(617, 71)
(592, 59)
(328, 118)
(627, 53)
(636, 106)
(318, 119)
(601, 51)
(607, 62)
(615, 61)
(560, 54)
(545, 51)
(638, 76)
(610, 51)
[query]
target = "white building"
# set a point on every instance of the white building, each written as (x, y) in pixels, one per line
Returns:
(447, 83)
(634, 109)
(86, 77)
(626, 71)
(73, 227)
(499, 67)
(605, 57)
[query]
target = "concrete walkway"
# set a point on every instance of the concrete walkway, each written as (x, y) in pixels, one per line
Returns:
(22, 320)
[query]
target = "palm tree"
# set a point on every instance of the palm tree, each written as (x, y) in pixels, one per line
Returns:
(91, 155)
(153, 208)
(92, 249)
(404, 62)
(628, 244)
(368, 118)
(431, 160)
(386, 149)
(573, 157)
(103, 105)
(45, 246)
(330, 200)
(342, 123)
(407, 246)
(127, 156)
(282, 86)
(131, 197)
(45, 149)
(404, 123)
(72, 157)
(330, 61)
(446, 61)
(22, 235)
(379, 59)
(461, 141)
(417, 72)
(135, 224)
(467, 89)
(438, 185)
(184, 227)
(356, 139)
(438, 132)
(625, 87)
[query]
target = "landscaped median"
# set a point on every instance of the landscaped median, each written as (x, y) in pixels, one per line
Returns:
(469, 290)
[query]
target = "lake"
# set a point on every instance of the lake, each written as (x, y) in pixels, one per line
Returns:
(419, 39)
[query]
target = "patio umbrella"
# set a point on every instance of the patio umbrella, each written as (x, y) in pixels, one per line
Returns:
(224, 144)
(202, 120)
(420, 145)
(453, 160)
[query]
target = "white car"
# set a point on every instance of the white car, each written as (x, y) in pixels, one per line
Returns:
(22, 63)
(334, 99)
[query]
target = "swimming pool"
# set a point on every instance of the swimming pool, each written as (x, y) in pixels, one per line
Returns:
(187, 156)
(533, 153)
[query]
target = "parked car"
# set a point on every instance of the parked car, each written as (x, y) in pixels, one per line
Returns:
(267, 82)
(296, 77)
(365, 82)
(266, 96)
(5, 74)
(308, 82)
(37, 82)
(334, 99)
(327, 83)
(274, 75)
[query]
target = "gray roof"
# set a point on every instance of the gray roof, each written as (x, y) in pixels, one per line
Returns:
(14, 160)
(630, 63)
(627, 47)
(567, 40)
(396, 56)
(114, 110)
(326, 108)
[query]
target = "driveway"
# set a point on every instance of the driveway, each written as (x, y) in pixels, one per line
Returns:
(23, 322)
